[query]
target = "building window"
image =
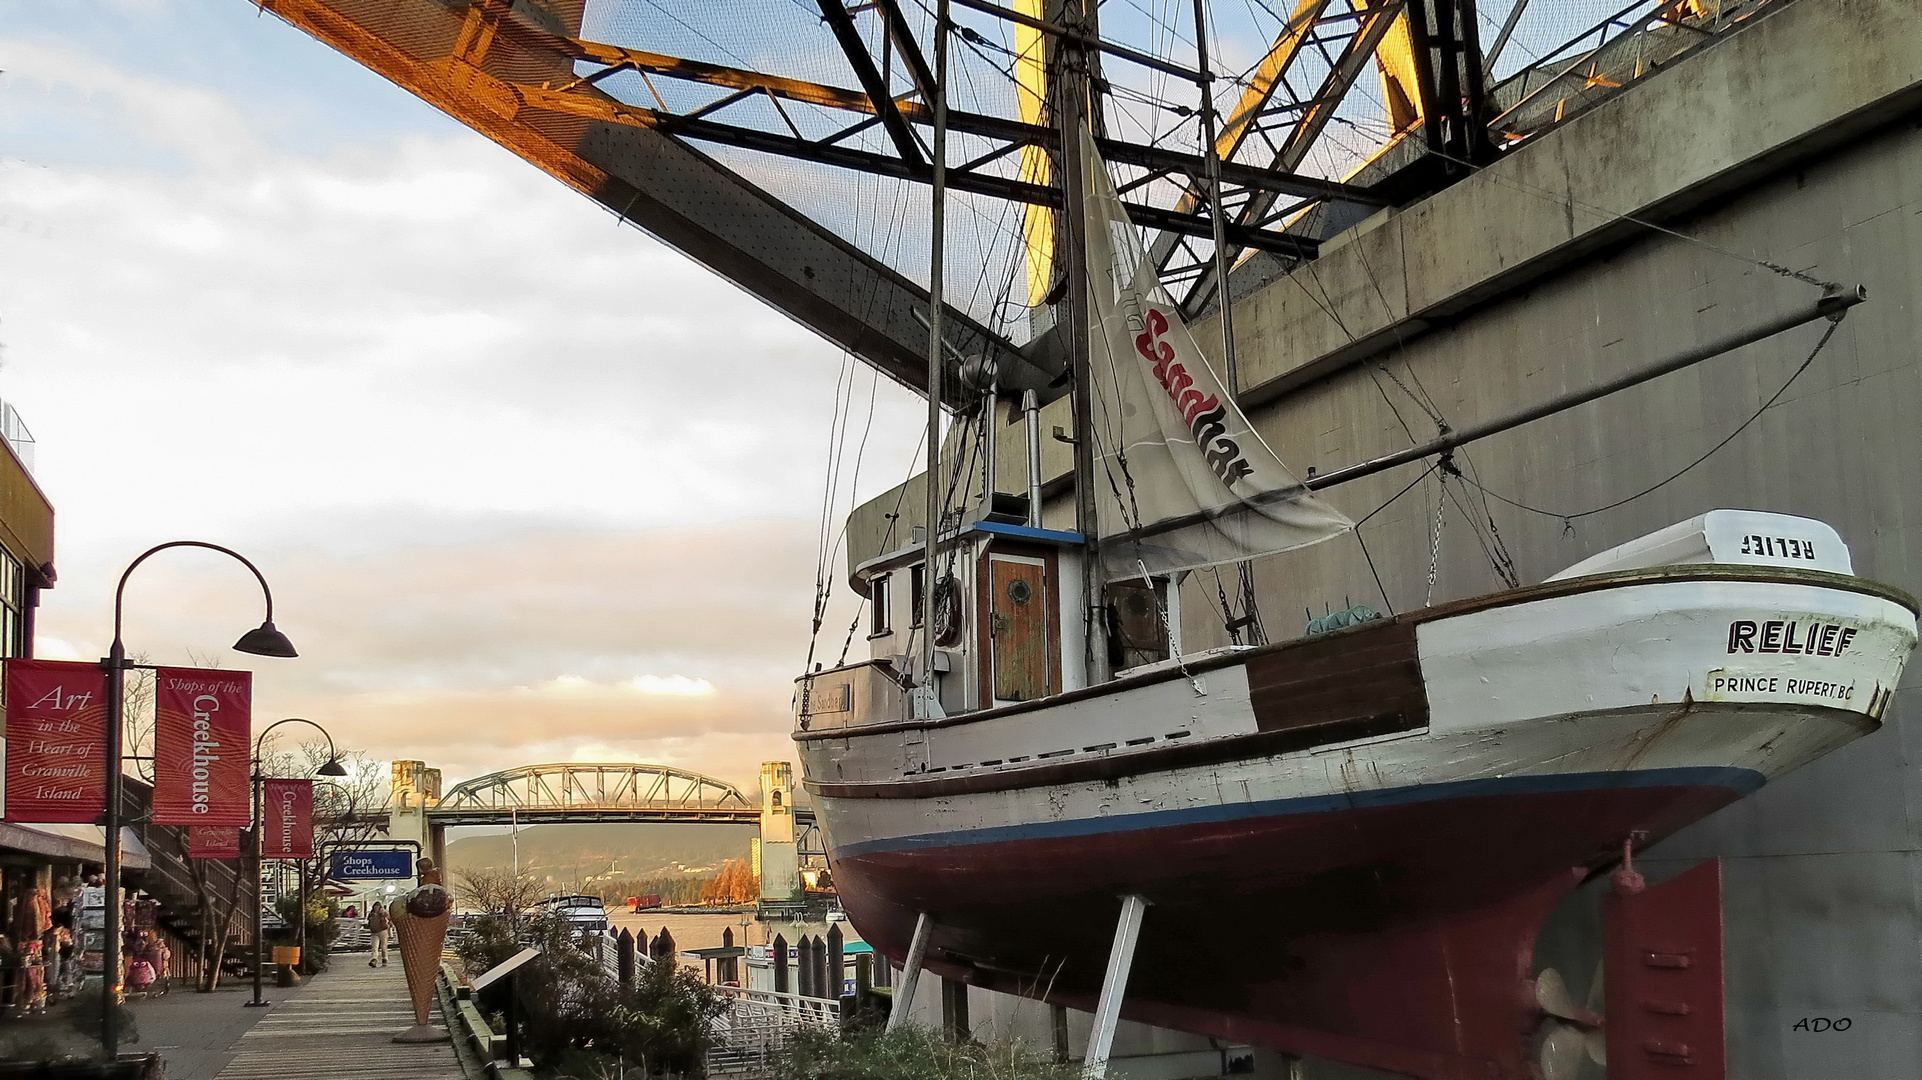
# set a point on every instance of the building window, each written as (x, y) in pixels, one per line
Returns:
(917, 581)
(880, 600)
(13, 599)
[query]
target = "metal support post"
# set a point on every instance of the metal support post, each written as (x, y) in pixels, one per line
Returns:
(511, 1020)
(1212, 160)
(1031, 416)
(1114, 983)
(110, 947)
(302, 953)
(926, 690)
(911, 972)
(1070, 104)
(990, 419)
(259, 898)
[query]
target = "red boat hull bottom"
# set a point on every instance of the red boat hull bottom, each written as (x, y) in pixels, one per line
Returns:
(1397, 936)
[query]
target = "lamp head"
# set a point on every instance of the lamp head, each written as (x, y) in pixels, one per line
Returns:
(332, 768)
(264, 640)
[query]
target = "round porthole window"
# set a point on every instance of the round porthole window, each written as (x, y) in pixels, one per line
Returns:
(1020, 591)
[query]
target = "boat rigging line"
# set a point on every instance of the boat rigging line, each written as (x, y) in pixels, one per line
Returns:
(1568, 520)
(1250, 617)
(1831, 306)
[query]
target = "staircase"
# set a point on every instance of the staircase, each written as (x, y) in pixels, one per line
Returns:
(757, 1024)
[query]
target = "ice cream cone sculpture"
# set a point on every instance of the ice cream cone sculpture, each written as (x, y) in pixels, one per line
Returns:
(420, 926)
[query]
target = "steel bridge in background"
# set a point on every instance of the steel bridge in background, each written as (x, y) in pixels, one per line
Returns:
(603, 792)
(544, 794)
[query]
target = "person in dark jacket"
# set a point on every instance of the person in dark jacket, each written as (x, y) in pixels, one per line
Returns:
(377, 927)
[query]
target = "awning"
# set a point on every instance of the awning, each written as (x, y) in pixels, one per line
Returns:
(75, 843)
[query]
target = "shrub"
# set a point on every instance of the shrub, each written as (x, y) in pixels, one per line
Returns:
(323, 928)
(485, 941)
(911, 1053)
(573, 1013)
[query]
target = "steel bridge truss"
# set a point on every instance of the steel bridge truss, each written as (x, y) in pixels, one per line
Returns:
(640, 131)
(593, 792)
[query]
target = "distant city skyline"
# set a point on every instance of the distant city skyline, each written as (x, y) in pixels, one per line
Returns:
(529, 485)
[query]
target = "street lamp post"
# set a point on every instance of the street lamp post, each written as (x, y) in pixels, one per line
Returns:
(315, 869)
(333, 767)
(263, 640)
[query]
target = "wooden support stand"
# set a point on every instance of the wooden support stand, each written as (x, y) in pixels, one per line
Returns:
(911, 973)
(1114, 983)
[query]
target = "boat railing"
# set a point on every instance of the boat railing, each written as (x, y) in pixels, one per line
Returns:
(868, 692)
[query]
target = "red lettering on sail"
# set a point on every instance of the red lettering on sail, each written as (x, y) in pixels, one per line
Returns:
(1202, 413)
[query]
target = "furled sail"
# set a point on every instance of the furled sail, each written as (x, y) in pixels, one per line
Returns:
(1183, 480)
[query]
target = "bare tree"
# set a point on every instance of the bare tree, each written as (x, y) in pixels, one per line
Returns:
(217, 915)
(348, 810)
(500, 892)
(137, 713)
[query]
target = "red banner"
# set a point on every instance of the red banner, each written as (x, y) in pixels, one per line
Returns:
(286, 819)
(56, 741)
(213, 842)
(203, 727)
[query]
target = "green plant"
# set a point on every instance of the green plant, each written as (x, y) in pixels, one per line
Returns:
(485, 941)
(575, 1017)
(323, 929)
(661, 1022)
(910, 1053)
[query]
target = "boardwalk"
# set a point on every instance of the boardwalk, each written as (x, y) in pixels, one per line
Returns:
(340, 1027)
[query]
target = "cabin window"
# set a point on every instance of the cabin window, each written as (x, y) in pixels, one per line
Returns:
(880, 602)
(1137, 623)
(13, 603)
(917, 581)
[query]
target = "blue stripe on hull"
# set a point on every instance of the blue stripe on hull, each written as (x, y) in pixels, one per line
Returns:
(1741, 781)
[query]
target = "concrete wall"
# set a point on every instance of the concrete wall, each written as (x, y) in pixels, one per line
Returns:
(1140, 1052)
(1822, 867)
(1796, 141)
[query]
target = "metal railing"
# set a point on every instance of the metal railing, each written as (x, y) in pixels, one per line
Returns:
(14, 430)
(757, 1024)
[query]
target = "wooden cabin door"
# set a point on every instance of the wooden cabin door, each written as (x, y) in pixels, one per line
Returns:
(1018, 628)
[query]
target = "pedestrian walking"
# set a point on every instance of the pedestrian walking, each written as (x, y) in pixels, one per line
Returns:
(377, 927)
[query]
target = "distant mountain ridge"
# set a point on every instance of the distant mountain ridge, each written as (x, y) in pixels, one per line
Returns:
(574, 854)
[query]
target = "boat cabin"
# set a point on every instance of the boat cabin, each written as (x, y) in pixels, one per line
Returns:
(1008, 615)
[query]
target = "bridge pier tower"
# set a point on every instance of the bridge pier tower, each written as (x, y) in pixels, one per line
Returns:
(414, 788)
(779, 856)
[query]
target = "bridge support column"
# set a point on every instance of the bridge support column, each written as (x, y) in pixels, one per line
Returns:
(780, 858)
(408, 822)
(413, 788)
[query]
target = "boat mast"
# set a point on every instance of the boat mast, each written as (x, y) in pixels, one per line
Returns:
(1071, 96)
(1212, 162)
(931, 705)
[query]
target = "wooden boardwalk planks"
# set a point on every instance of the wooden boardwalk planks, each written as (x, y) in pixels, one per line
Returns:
(339, 1027)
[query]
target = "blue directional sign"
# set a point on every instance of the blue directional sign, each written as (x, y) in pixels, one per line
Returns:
(372, 865)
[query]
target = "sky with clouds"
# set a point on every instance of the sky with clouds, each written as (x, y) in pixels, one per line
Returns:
(529, 485)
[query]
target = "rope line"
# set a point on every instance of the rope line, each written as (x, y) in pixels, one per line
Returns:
(1569, 519)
